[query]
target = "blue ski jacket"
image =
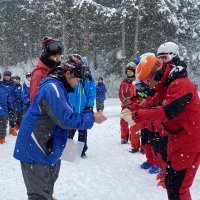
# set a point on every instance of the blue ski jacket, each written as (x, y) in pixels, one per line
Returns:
(5, 101)
(18, 98)
(26, 96)
(101, 91)
(44, 130)
(10, 90)
(84, 95)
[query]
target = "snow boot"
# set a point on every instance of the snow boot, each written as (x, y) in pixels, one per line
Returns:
(12, 131)
(145, 165)
(134, 150)
(154, 169)
(83, 155)
(142, 151)
(2, 140)
(124, 142)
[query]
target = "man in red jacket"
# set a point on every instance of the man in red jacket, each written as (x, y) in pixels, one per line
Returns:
(49, 59)
(177, 116)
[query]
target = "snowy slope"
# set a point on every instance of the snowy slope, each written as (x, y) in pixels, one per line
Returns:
(110, 172)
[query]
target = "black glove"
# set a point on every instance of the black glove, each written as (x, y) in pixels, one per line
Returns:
(88, 108)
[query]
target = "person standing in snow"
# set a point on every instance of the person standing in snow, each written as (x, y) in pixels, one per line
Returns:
(50, 58)
(26, 92)
(18, 102)
(177, 116)
(10, 88)
(44, 130)
(6, 104)
(83, 99)
(127, 92)
(101, 90)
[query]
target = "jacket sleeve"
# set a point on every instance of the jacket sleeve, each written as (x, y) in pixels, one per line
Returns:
(90, 93)
(25, 96)
(177, 98)
(55, 105)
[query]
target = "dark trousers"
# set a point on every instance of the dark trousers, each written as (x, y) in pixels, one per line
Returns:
(99, 104)
(19, 117)
(82, 137)
(3, 125)
(39, 180)
(12, 118)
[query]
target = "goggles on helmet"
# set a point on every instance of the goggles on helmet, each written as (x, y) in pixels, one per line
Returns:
(140, 86)
(166, 57)
(76, 71)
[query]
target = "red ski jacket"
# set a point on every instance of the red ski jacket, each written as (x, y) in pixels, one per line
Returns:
(38, 73)
(126, 89)
(178, 113)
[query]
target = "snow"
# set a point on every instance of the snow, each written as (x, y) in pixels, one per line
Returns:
(109, 172)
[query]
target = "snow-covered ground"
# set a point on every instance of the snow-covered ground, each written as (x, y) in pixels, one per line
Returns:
(110, 172)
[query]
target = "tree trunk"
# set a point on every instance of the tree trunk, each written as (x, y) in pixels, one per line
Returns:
(65, 34)
(123, 47)
(75, 35)
(86, 35)
(136, 35)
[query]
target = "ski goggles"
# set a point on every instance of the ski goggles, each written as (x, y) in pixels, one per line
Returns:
(166, 57)
(76, 71)
(140, 86)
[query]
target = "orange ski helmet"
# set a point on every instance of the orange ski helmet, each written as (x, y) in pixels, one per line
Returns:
(147, 68)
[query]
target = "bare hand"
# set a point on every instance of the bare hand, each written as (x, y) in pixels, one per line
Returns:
(99, 117)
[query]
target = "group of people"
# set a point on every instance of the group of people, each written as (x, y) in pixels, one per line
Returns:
(14, 102)
(162, 106)
(160, 115)
(62, 96)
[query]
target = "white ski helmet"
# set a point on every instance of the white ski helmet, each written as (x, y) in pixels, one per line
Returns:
(167, 51)
(147, 54)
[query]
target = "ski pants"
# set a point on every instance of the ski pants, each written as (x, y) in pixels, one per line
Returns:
(135, 139)
(82, 137)
(180, 174)
(99, 104)
(124, 129)
(39, 180)
(148, 143)
(19, 117)
(3, 125)
(12, 117)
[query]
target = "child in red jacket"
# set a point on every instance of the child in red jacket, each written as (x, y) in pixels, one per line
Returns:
(126, 92)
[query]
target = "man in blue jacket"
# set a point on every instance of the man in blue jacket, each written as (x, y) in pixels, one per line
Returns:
(83, 99)
(101, 90)
(44, 130)
(18, 102)
(10, 90)
(6, 104)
